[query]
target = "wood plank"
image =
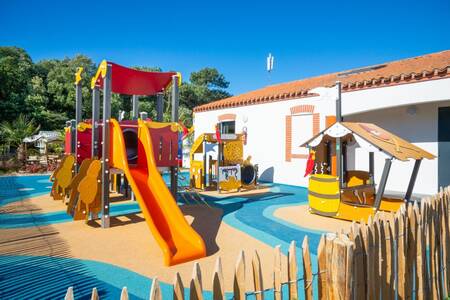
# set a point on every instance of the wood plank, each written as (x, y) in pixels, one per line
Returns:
(307, 269)
(178, 288)
(329, 246)
(277, 291)
(376, 257)
(94, 294)
(239, 278)
(411, 251)
(292, 271)
(338, 275)
(155, 290)
(401, 255)
(196, 289)
(433, 250)
(124, 294)
(322, 269)
(358, 265)
(390, 259)
(257, 277)
(384, 289)
(368, 245)
(349, 276)
(218, 283)
(69, 294)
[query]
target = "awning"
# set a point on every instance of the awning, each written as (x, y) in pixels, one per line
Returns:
(374, 135)
(132, 82)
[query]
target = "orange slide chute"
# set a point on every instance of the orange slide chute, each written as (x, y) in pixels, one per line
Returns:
(176, 238)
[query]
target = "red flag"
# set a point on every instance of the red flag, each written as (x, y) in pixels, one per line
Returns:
(310, 163)
(219, 140)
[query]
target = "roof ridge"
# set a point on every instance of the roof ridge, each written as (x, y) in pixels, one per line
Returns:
(402, 69)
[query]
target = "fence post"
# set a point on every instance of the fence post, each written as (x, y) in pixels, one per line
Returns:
(307, 269)
(155, 290)
(239, 278)
(178, 288)
(329, 244)
(368, 246)
(401, 250)
(411, 257)
(94, 295)
(322, 269)
(292, 271)
(359, 289)
(277, 289)
(69, 294)
(124, 294)
(376, 256)
(196, 290)
(257, 277)
(218, 285)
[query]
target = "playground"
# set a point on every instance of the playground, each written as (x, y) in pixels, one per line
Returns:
(121, 211)
(39, 236)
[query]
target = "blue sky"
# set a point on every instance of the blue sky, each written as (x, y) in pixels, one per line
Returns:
(307, 38)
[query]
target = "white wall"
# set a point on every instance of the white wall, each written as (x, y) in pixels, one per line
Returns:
(266, 127)
(420, 129)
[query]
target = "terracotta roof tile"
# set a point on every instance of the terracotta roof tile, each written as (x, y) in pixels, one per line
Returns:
(425, 67)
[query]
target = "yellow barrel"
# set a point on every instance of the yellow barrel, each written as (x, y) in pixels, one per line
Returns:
(323, 194)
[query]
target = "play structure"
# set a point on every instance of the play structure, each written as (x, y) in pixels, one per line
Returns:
(336, 191)
(137, 149)
(226, 170)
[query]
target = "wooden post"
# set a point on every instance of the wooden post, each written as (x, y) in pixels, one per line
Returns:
(401, 257)
(338, 269)
(369, 247)
(329, 245)
(69, 294)
(359, 289)
(277, 291)
(410, 251)
(94, 295)
(307, 269)
(196, 289)
(292, 271)
(218, 284)
(124, 294)
(322, 269)
(239, 278)
(257, 277)
(178, 288)
(390, 261)
(376, 257)
(155, 290)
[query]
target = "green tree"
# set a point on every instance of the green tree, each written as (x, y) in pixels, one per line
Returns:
(16, 71)
(13, 133)
(205, 86)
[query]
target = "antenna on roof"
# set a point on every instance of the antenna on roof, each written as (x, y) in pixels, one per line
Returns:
(269, 63)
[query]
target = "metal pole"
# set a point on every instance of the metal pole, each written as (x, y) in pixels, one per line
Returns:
(78, 112)
(73, 136)
(339, 167)
(383, 181)
(175, 102)
(95, 119)
(339, 102)
(372, 167)
(204, 163)
(412, 180)
(105, 146)
(135, 105)
(159, 107)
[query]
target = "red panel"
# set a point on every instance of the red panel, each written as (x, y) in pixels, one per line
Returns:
(133, 82)
(165, 146)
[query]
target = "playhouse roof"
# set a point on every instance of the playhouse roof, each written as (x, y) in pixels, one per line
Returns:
(377, 138)
(132, 82)
(421, 68)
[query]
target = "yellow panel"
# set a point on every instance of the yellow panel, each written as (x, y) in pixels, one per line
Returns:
(391, 204)
(355, 213)
(326, 206)
(196, 174)
(233, 152)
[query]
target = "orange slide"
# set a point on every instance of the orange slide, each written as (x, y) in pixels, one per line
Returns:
(177, 239)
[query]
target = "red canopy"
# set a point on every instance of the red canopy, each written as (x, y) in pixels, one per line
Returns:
(132, 82)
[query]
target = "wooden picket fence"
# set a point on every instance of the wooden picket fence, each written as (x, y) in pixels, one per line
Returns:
(403, 255)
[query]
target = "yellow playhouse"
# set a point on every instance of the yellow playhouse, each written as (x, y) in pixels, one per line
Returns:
(336, 191)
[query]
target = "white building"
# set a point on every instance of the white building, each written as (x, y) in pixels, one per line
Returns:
(410, 98)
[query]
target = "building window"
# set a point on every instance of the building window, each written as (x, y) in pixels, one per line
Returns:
(301, 125)
(228, 127)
